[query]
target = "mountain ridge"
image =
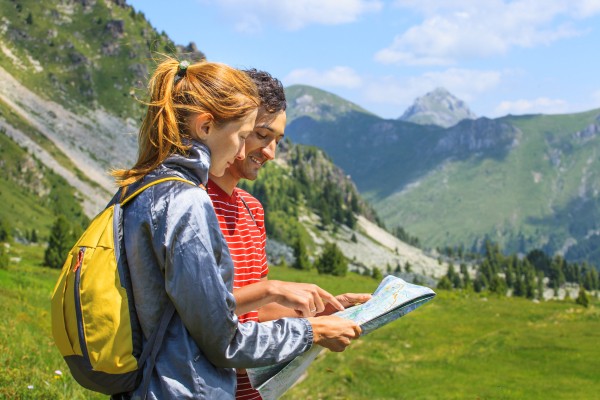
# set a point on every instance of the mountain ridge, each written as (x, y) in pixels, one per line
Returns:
(514, 180)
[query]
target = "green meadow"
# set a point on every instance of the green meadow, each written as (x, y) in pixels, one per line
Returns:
(458, 346)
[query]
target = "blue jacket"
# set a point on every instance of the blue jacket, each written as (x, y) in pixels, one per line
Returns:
(176, 252)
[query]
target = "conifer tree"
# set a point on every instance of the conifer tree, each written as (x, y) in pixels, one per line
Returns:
(582, 298)
(376, 274)
(34, 236)
(5, 231)
(519, 289)
(444, 283)
(4, 258)
(465, 275)
(332, 261)
(60, 242)
(301, 256)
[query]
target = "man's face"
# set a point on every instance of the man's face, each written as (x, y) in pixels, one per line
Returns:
(260, 144)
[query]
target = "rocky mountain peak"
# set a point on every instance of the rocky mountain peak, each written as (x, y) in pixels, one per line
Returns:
(438, 107)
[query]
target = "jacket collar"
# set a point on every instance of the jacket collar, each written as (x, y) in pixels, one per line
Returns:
(195, 163)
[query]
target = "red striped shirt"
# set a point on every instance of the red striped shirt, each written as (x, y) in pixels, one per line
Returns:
(246, 239)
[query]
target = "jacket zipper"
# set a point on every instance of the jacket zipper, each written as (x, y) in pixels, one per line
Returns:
(78, 311)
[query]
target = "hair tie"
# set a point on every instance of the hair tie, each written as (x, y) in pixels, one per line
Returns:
(181, 70)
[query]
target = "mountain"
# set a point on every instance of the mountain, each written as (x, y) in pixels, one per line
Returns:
(304, 100)
(438, 107)
(71, 80)
(525, 182)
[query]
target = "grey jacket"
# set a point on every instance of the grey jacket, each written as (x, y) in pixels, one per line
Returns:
(176, 252)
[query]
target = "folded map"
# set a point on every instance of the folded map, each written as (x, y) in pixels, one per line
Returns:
(393, 298)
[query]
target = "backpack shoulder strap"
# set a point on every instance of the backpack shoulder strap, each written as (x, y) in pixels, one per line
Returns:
(155, 182)
(155, 340)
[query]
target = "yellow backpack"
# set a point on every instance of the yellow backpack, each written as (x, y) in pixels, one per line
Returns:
(94, 323)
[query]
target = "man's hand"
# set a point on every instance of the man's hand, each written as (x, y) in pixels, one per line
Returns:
(347, 300)
(334, 333)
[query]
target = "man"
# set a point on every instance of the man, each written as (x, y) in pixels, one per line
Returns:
(241, 218)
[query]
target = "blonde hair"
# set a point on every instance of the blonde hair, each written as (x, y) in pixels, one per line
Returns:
(223, 92)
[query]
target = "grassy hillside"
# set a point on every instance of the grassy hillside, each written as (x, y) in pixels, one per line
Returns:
(457, 346)
(80, 54)
(543, 192)
(31, 195)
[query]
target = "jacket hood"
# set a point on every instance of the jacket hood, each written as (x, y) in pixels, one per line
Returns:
(196, 162)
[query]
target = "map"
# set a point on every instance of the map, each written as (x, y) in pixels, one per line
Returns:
(393, 298)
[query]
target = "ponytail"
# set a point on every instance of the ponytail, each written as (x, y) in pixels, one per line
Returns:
(178, 91)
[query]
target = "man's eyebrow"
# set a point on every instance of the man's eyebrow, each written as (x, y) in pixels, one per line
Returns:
(264, 126)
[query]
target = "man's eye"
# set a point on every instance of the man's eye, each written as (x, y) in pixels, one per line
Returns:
(260, 135)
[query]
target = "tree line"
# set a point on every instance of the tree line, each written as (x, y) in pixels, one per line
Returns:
(527, 276)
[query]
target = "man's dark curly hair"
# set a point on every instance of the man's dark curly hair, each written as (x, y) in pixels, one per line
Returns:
(270, 90)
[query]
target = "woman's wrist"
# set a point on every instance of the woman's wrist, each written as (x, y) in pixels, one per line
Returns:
(273, 290)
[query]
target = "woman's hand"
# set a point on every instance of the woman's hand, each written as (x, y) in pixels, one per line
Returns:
(306, 299)
(299, 299)
(334, 333)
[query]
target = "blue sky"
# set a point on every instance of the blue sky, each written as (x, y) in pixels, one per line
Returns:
(501, 57)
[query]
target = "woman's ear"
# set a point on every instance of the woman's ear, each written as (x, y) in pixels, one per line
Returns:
(201, 126)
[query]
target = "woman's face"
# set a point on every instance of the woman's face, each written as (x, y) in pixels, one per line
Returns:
(226, 142)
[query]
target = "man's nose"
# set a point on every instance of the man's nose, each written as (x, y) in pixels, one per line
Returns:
(241, 154)
(269, 150)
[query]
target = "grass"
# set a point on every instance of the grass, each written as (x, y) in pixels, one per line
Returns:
(462, 346)
(28, 357)
(458, 346)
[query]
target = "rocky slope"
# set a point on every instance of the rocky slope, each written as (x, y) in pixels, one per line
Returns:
(438, 107)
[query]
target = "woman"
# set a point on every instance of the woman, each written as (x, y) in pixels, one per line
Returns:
(197, 120)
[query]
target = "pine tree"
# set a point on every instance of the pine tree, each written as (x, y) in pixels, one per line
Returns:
(376, 274)
(4, 258)
(5, 231)
(332, 261)
(465, 275)
(444, 283)
(34, 236)
(582, 298)
(60, 242)
(301, 256)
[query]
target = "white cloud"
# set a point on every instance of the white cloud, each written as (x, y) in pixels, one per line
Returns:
(249, 16)
(458, 29)
(335, 77)
(463, 83)
(541, 105)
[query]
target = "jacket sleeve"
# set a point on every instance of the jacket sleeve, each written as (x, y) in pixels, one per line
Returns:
(198, 280)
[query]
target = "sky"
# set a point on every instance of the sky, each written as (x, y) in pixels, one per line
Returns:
(501, 57)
